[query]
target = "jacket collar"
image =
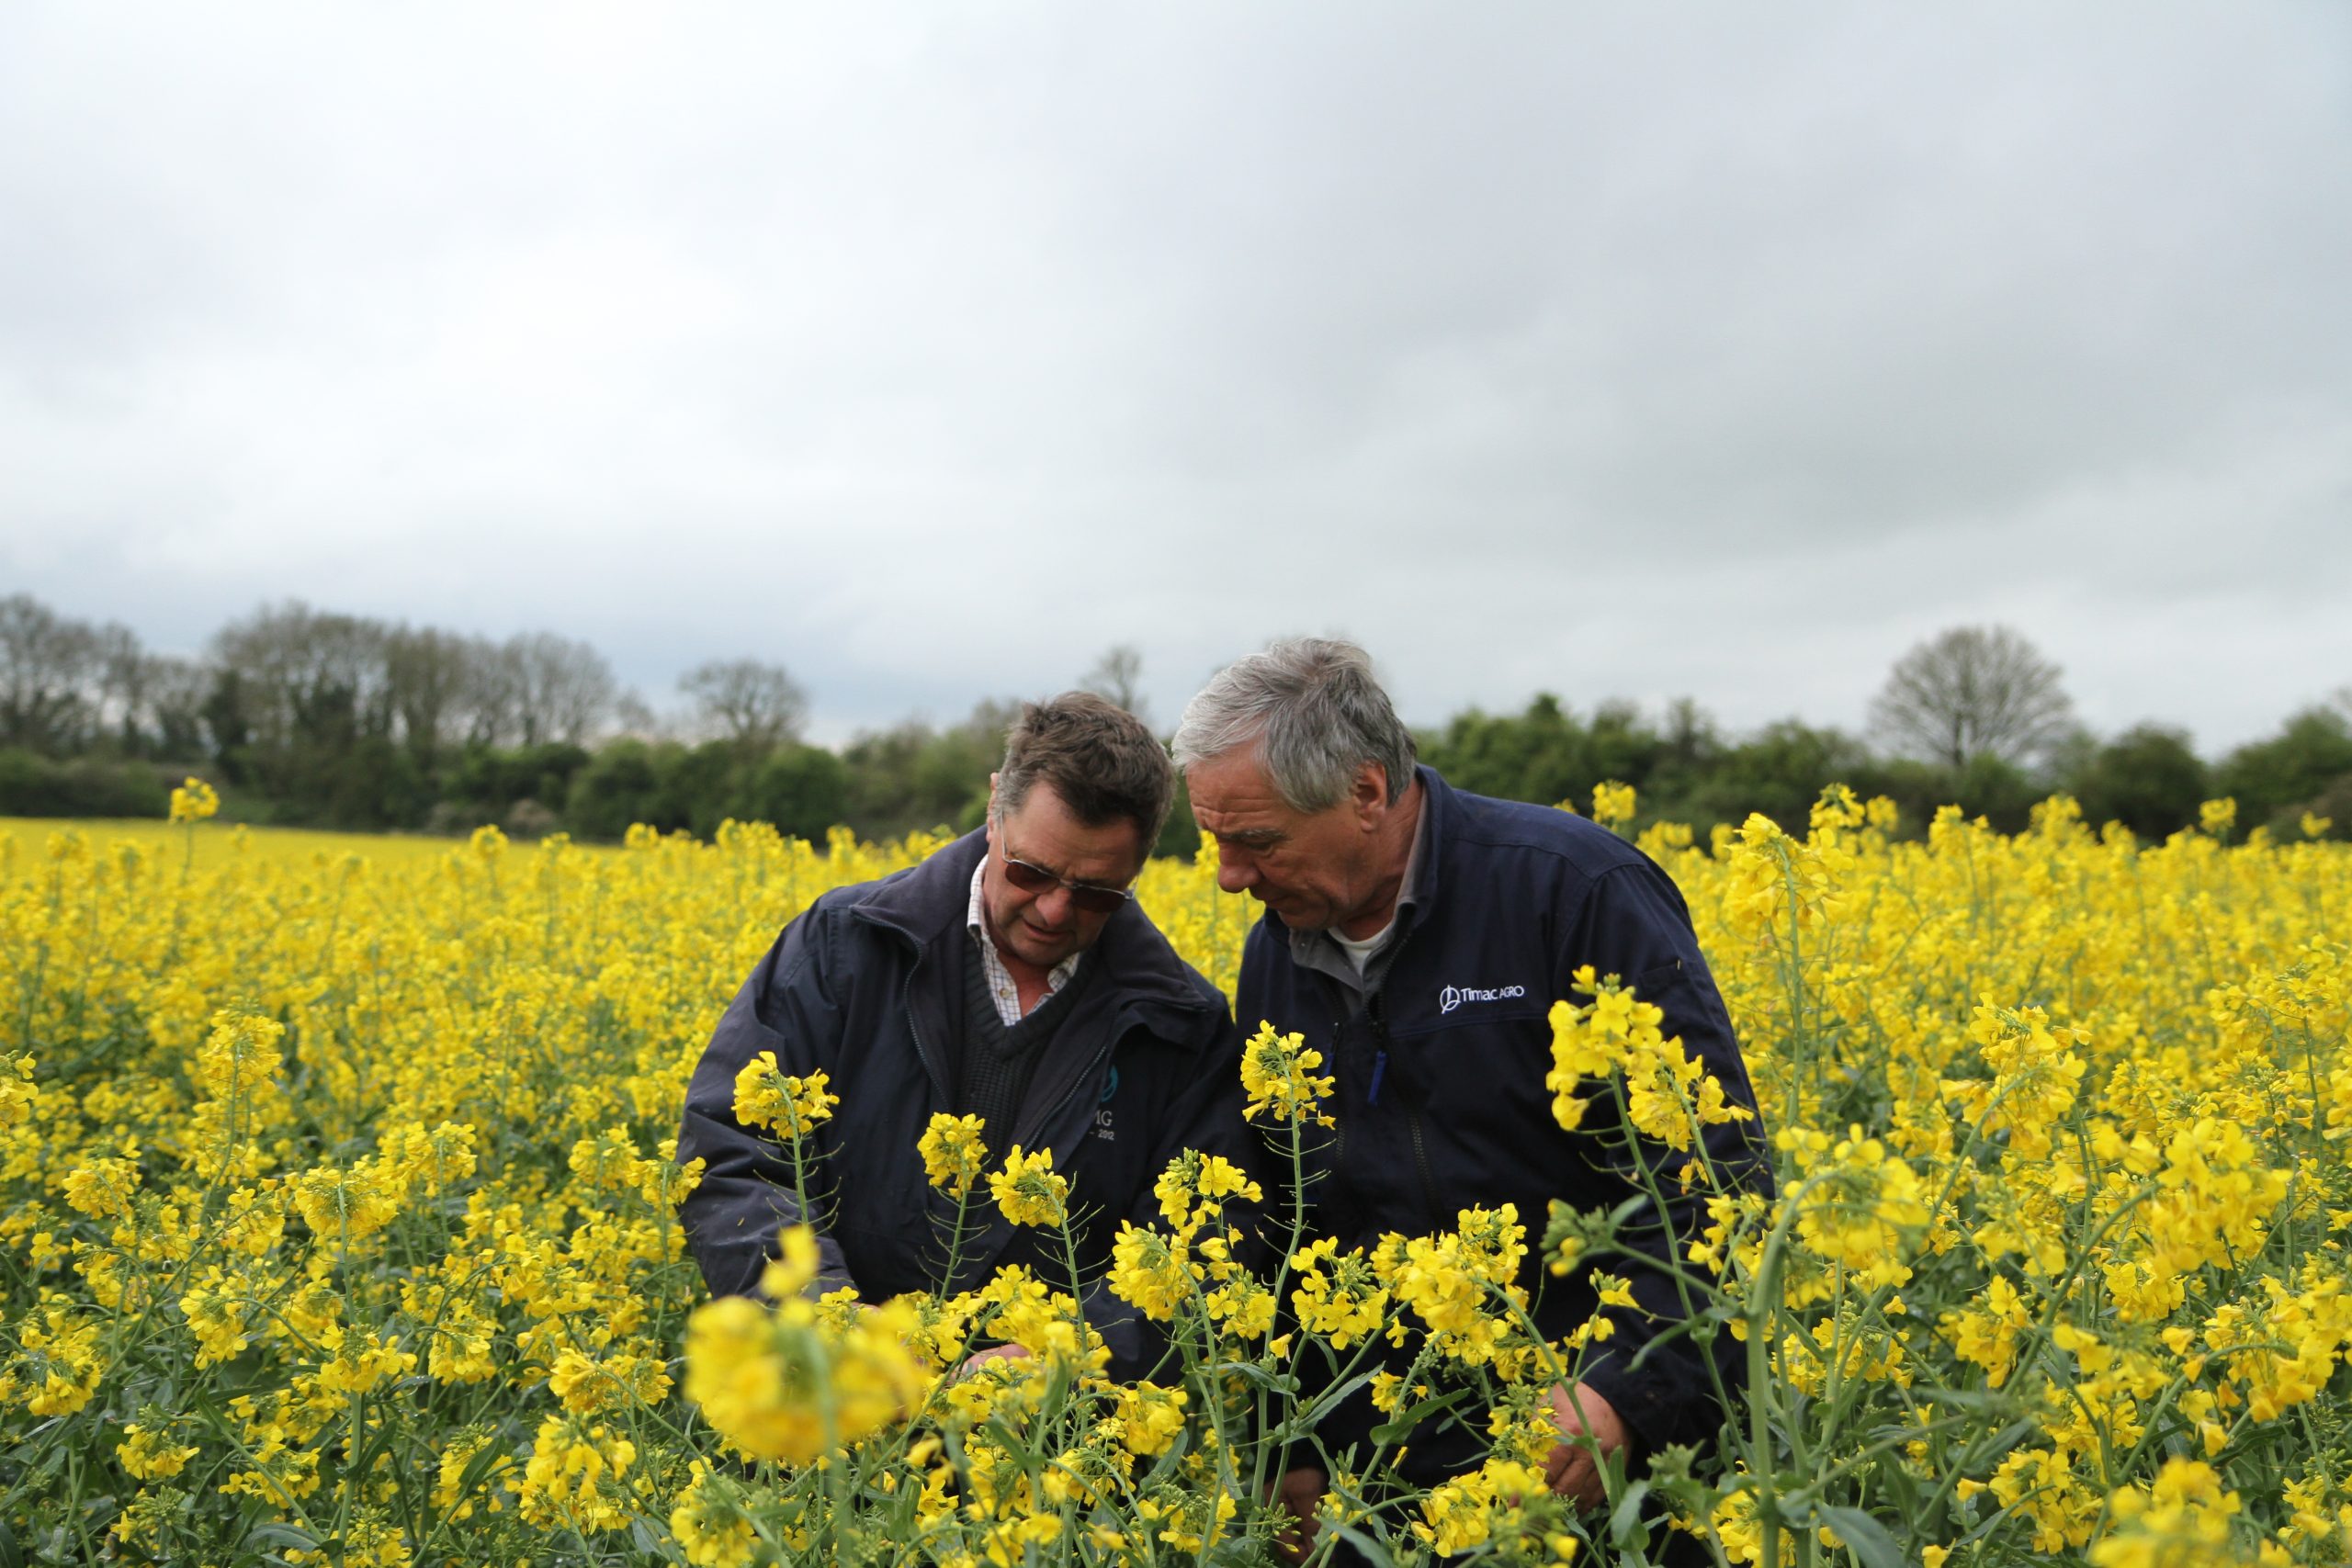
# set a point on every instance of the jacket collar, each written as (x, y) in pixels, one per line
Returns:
(928, 899)
(1439, 814)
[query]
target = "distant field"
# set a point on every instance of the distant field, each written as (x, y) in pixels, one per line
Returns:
(214, 844)
(336, 1175)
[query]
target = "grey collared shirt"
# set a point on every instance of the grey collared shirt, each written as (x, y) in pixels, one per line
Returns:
(1319, 948)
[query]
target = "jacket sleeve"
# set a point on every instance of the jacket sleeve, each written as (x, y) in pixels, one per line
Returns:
(1634, 924)
(745, 1196)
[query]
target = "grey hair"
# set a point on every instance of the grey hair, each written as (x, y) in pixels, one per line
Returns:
(1316, 714)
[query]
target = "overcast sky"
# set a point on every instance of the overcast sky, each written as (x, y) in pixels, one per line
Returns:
(1720, 351)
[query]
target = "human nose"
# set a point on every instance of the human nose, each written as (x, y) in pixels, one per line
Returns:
(1235, 871)
(1054, 907)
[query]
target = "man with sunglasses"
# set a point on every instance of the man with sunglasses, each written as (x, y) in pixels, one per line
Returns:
(1011, 976)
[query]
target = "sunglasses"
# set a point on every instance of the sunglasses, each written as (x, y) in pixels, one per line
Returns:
(1091, 897)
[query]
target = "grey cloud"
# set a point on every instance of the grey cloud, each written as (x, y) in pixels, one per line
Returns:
(1705, 351)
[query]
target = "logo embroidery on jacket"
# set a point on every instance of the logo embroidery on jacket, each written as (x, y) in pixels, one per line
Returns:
(1103, 1128)
(1454, 996)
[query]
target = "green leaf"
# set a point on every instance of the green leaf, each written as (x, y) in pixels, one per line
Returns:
(488, 1454)
(281, 1534)
(1412, 1414)
(1251, 1373)
(1374, 1551)
(1901, 1491)
(1624, 1521)
(1236, 1552)
(1864, 1536)
(1328, 1400)
(1997, 1400)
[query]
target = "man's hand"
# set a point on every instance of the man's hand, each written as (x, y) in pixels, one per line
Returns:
(1572, 1469)
(1299, 1491)
(977, 1359)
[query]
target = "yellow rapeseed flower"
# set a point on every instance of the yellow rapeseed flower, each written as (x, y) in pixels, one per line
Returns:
(1027, 1192)
(1278, 1073)
(193, 800)
(767, 1096)
(1613, 803)
(2179, 1519)
(146, 1454)
(954, 1153)
(2108, 1081)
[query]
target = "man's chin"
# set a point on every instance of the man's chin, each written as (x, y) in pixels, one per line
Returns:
(1044, 955)
(1293, 913)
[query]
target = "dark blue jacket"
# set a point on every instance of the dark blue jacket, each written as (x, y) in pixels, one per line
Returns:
(1440, 1079)
(867, 985)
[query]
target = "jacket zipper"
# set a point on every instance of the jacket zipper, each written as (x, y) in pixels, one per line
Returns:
(1375, 1005)
(1421, 1160)
(1339, 1037)
(914, 1031)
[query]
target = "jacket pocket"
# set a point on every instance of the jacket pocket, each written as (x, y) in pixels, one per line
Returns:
(1654, 983)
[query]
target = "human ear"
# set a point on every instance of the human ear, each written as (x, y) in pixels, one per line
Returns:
(1370, 795)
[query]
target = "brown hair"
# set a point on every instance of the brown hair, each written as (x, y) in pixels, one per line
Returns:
(1100, 758)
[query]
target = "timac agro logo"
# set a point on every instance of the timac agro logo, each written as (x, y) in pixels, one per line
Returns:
(1454, 996)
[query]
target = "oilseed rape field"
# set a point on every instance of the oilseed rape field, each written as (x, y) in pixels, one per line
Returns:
(337, 1182)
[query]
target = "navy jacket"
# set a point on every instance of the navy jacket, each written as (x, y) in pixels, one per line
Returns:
(867, 984)
(1441, 1101)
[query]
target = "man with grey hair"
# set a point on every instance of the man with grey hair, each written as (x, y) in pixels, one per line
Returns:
(1418, 936)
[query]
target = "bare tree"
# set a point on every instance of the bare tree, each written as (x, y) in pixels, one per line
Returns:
(1690, 736)
(426, 671)
(990, 720)
(123, 671)
(634, 718)
(1971, 690)
(755, 705)
(1118, 675)
(312, 674)
(48, 666)
(490, 693)
(564, 689)
(177, 689)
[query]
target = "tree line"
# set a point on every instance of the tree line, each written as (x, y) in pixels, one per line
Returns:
(312, 717)
(1975, 716)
